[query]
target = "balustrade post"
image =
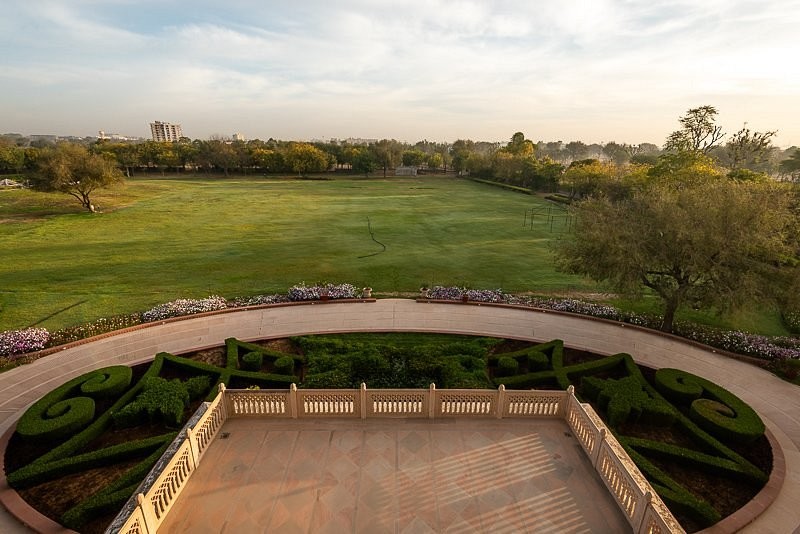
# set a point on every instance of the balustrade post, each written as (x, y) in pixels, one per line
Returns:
(150, 521)
(501, 400)
(598, 444)
(641, 512)
(362, 400)
(293, 400)
(194, 449)
(226, 409)
(432, 401)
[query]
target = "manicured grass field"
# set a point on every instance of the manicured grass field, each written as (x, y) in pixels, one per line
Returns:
(162, 239)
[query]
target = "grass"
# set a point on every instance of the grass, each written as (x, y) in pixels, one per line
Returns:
(162, 238)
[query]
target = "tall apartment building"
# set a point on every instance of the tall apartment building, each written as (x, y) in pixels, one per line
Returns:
(164, 131)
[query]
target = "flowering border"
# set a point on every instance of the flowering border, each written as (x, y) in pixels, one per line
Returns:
(774, 349)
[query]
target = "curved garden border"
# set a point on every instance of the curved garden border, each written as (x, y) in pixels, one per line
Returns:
(776, 401)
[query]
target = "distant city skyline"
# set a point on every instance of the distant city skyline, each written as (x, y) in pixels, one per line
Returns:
(599, 71)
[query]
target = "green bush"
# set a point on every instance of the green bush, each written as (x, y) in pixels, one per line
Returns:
(627, 399)
(160, 401)
(284, 365)
(198, 386)
(718, 411)
(506, 366)
(37, 473)
(252, 361)
(672, 384)
(108, 382)
(367, 364)
(116, 494)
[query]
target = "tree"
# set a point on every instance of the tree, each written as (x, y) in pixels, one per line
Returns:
(364, 161)
(713, 243)
(618, 153)
(576, 150)
(791, 165)
(303, 158)
(72, 169)
(387, 153)
(520, 147)
(413, 157)
(699, 133)
(748, 150)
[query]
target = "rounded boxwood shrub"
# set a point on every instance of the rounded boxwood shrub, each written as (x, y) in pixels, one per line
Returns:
(252, 361)
(677, 385)
(109, 382)
(284, 365)
(507, 366)
(538, 361)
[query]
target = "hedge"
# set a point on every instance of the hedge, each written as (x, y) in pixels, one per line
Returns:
(36, 473)
(504, 186)
(58, 414)
(507, 366)
(116, 494)
(284, 365)
(713, 408)
(160, 400)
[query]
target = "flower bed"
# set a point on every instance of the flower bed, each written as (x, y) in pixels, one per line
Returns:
(14, 343)
(302, 292)
(179, 307)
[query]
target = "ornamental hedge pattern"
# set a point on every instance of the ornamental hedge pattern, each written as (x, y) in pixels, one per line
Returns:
(712, 421)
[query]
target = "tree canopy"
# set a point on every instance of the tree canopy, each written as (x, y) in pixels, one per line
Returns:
(709, 242)
(72, 169)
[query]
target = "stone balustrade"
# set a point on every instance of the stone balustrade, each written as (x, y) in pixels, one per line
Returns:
(644, 510)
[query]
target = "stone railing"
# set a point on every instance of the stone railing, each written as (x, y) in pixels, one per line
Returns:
(644, 510)
(158, 492)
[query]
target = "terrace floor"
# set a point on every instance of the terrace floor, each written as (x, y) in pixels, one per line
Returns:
(395, 475)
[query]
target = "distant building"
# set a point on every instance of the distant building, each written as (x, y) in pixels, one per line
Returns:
(164, 131)
(405, 171)
(116, 137)
(239, 137)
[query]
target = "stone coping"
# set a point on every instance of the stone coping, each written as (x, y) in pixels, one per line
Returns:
(471, 321)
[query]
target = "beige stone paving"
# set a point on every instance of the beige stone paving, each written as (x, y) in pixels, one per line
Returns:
(776, 401)
(403, 475)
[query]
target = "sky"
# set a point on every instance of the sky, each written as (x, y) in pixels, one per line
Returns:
(589, 70)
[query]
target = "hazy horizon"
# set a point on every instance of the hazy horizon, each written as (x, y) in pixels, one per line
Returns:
(600, 71)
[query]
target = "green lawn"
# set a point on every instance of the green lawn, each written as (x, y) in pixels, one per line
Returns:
(161, 239)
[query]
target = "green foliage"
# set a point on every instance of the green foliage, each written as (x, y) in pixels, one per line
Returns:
(626, 400)
(60, 414)
(506, 366)
(252, 361)
(113, 496)
(714, 408)
(108, 382)
(160, 401)
(504, 186)
(284, 365)
(36, 473)
(197, 386)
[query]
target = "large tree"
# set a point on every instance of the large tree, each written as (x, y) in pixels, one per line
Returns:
(699, 131)
(304, 158)
(70, 168)
(711, 242)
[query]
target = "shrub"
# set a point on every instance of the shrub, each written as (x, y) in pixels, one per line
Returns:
(791, 318)
(252, 361)
(160, 400)
(108, 382)
(60, 414)
(718, 411)
(284, 365)
(197, 386)
(507, 366)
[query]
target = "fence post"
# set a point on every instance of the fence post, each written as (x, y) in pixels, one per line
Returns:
(641, 512)
(598, 444)
(226, 410)
(194, 450)
(293, 400)
(150, 522)
(501, 400)
(432, 401)
(362, 400)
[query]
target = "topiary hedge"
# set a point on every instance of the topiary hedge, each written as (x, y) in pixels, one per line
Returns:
(61, 413)
(713, 408)
(284, 365)
(506, 366)
(252, 361)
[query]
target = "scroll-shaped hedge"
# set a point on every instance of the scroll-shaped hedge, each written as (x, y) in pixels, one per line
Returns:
(61, 413)
(713, 408)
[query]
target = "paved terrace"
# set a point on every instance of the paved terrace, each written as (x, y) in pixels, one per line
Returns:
(777, 402)
(399, 475)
